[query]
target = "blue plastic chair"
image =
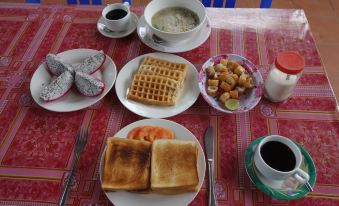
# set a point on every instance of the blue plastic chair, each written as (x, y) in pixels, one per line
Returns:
(93, 2)
(33, 1)
(231, 3)
(207, 3)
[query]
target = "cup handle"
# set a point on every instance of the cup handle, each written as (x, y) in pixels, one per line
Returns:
(126, 3)
(301, 176)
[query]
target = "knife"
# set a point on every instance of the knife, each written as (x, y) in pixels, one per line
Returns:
(209, 153)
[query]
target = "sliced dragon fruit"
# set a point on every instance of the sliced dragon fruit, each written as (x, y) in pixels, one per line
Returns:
(56, 66)
(88, 85)
(91, 64)
(57, 88)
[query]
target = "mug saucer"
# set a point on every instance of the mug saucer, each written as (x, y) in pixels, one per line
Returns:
(288, 191)
(112, 34)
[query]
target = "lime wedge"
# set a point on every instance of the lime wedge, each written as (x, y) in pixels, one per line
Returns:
(232, 104)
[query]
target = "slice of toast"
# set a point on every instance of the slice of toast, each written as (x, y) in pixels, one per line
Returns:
(174, 166)
(126, 165)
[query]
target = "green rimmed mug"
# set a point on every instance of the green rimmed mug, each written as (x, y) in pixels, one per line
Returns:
(275, 177)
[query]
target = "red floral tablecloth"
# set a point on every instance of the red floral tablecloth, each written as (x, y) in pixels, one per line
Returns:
(36, 145)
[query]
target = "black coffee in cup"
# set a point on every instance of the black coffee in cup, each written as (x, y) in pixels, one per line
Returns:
(278, 156)
(116, 14)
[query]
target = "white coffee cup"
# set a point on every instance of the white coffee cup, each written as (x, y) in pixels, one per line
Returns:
(275, 177)
(117, 24)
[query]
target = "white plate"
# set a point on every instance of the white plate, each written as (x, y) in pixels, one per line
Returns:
(72, 101)
(188, 94)
(147, 37)
(151, 199)
(131, 27)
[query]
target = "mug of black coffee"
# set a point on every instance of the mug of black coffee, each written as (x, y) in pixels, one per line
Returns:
(117, 16)
(278, 158)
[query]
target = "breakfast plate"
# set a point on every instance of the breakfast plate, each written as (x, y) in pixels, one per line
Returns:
(151, 40)
(152, 199)
(111, 34)
(249, 99)
(73, 100)
(189, 92)
(291, 189)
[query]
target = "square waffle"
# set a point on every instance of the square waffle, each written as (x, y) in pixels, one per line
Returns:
(153, 89)
(170, 65)
(163, 71)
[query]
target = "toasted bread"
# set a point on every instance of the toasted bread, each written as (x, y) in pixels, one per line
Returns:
(174, 166)
(127, 165)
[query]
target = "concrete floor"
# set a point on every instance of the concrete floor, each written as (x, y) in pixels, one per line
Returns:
(323, 16)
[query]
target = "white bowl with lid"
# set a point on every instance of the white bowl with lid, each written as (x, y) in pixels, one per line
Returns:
(156, 5)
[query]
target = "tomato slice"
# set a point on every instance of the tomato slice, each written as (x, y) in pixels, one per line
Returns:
(150, 133)
(163, 133)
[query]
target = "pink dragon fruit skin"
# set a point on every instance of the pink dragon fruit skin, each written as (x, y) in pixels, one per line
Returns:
(88, 85)
(57, 88)
(91, 64)
(56, 66)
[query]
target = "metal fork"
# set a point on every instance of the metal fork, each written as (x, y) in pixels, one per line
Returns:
(79, 147)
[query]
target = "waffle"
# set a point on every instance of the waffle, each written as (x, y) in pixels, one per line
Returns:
(170, 65)
(153, 89)
(162, 71)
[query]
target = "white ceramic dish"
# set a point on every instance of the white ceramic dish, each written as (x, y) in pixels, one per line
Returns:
(111, 34)
(189, 93)
(156, 5)
(124, 198)
(73, 100)
(150, 39)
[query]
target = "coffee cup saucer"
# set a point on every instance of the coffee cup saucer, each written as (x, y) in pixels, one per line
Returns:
(112, 34)
(288, 189)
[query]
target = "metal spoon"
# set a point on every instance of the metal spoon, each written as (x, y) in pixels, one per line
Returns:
(158, 40)
(308, 186)
(107, 30)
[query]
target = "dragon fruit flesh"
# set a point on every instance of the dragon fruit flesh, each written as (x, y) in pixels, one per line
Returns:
(88, 85)
(56, 66)
(58, 87)
(92, 63)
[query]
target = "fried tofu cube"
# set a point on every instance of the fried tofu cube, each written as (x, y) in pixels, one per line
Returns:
(232, 65)
(240, 89)
(223, 76)
(229, 80)
(224, 62)
(220, 68)
(210, 72)
(239, 70)
(225, 86)
(216, 75)
(225, 96)
(212, 82)
(212, 90)
(234, 94)
(249, 83)
(242, 79)
(235, 77)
